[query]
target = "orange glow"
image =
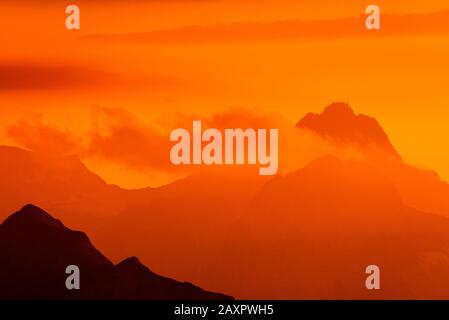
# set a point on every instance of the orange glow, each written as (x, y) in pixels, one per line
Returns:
(112, 92)
(400, 79)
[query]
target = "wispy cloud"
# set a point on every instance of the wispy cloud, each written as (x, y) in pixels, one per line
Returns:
(118, 136)
(33, 134)
(392, 25)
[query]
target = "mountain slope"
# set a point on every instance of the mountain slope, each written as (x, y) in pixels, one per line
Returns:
(209, 229)
(325, 223)
(419, 188)
(55, 182)
(341, 125)
(35, 250)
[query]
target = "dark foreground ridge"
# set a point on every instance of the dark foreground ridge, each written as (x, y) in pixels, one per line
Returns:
(35, 250)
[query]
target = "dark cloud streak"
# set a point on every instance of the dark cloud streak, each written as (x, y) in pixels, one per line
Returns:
(40, 76)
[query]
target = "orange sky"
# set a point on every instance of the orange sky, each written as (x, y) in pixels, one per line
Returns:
(69, 77)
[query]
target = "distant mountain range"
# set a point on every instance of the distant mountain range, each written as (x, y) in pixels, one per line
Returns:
(329, 220)
(35, 250)
(305, 234)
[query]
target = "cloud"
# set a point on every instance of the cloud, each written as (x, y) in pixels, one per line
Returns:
(236, 118)
(120, 137)
(41, 76)
(115, 135)
(44, 76)
(34, 135)
(293, 30)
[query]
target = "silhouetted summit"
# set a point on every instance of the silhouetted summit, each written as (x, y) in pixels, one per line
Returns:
(35, 250)
(32, 216)
(32, 235)
(341, 125)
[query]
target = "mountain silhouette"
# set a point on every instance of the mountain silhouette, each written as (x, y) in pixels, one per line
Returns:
(419, 188)
(322, 225)
(341, 125)
(226, 228)
(36, 249)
